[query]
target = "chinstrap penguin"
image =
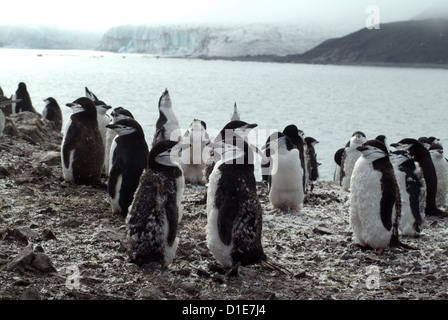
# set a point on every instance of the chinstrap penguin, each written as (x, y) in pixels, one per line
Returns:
(25, 103)
(349, 157)
(52, 112)
(311, 159)
(421, 155)
(82, 149)
(118, 113)
(297, 138)
(412, 193)
(154, 214)
(192, 159)
(128, 161)
(375, 203)
(234, 212)
(286, 189)
(102, 116)
(167, 125)
(441, 167)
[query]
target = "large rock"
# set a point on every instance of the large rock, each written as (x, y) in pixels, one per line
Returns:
(30, 260)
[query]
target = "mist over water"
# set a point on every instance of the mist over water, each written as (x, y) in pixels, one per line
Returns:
(327, 102)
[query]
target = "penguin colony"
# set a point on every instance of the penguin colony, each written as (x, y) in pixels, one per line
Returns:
(390, 191)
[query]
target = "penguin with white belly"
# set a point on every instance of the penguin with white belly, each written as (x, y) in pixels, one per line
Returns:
(82, 148)
(286, 190)
(297, 138)
(421, 155)
(375, 203)
(155, 212)
(441, 167)
(234, 212)
(24, 100)
(118, 113)
(349, 158)
(167, 125)
(412, 193)
(128, 160)
(192, 161)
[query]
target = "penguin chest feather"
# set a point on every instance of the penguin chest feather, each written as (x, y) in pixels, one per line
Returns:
(372, 206)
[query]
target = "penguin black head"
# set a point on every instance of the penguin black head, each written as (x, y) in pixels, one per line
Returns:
(84, 105)
(294, 134)
(121, 113)
(425, 141)
(282, 142)
(22, 86)
(234, 150)
(235, 127)
(126, 127)
(373, 149)
(204, 125)
(165, 100)
(412, 146)
(165, 154)
(51, 102)
(436, 149)
(311, 142)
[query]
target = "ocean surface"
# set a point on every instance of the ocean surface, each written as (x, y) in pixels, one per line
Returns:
(327, 102)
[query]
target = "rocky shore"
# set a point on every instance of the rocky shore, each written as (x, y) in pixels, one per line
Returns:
(60, 241)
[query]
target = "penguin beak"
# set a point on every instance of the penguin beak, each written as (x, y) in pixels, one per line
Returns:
(395, 145)
(111, 126)
(71, 104)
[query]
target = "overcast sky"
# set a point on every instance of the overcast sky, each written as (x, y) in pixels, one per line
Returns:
(102, 14)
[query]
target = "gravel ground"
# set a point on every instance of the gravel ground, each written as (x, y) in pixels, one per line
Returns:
(60, 241)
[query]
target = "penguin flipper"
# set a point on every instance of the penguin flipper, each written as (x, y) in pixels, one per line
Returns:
(228, 207)
(70, 143)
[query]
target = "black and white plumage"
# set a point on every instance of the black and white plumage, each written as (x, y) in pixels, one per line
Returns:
(338, 160)
(421, 155)
(192, 159)
(2, 122)
(383, 139)
(82, 149)
(266, 163)
(311, 159)
(235, 114)
(102, 116)
(375, 203)
(154, 215)
(286, 188)
(118, 113)
(234, 212)
(441, 167)
(349, 158)
(25, 103)
(412, 192)
(128, 161)
(167, 126)
(297, 138)
(52, 112)
(232, 129)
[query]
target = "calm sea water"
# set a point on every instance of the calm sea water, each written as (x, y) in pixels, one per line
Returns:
(327, 102)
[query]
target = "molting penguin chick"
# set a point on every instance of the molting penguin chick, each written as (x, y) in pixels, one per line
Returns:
(118, 113)
(375, 203)
(286, 175)
(82, 149)
(52, 112)
(235, 114)
(441, 167)
(349, 157)
(153, 217)
(311, 159)
(232, 129)
(192, 159)
(297, 138)
(412, 193)
(167, 126)
(25, 103)
(234, 212)
(421, 155)
(128, 161)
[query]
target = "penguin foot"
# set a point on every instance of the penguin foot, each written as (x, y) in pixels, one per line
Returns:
(437, 213)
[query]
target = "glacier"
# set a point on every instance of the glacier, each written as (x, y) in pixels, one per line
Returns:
(214, 41)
